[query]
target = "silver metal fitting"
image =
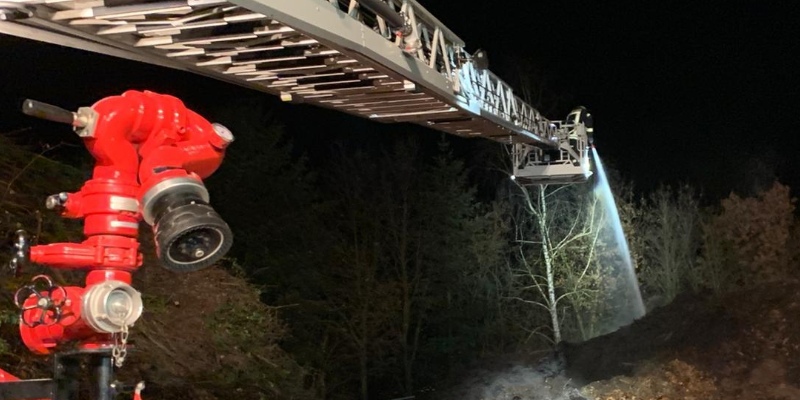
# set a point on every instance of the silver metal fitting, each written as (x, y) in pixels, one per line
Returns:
(224, 133)
(85, 121)
(56, 201)
(167, 186)
(111, 306)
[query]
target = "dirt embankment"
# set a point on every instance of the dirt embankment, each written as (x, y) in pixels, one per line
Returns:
(742, 346)
(745, 345)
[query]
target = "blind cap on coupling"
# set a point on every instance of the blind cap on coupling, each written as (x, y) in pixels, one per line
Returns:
(110, 306)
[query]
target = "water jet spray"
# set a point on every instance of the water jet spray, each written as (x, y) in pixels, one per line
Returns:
(627, 297)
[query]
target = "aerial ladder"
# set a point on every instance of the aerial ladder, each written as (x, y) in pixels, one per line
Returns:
(389, 61)
(384, 60)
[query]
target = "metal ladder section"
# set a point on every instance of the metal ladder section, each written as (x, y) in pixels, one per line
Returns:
(386, 60)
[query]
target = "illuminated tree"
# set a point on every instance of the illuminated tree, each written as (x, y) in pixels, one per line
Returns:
(557, 229)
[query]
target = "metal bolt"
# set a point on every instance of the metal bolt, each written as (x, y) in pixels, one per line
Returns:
(56, 200)
(51, 202)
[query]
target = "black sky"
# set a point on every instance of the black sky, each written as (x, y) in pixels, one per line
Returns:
(688, 91)
(679, 90)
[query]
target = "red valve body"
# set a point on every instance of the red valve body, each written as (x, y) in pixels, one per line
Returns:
(69, 327)
(41, 338)
(138, 140)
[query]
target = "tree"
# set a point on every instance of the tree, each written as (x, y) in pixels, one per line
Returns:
(484, 286)
(717, 267)
(357, 290)
(266, 194)
(464, 245)
(415, 268)
(557, 230)
(670, 230)
(405, 251)
(428, 227)
(270, 199)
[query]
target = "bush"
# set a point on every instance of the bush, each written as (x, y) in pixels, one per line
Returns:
(748, 240)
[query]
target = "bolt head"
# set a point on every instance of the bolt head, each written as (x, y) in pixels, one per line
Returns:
(51, 202)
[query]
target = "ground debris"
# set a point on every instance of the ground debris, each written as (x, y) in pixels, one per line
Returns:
(741, 346)
(674, 380)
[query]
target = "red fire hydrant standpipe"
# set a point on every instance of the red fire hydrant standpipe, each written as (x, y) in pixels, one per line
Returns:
(152, 154)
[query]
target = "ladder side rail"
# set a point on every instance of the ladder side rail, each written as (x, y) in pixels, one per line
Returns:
(424, 16)
(331, 25)
(421, 24)
(494, 96)
(440, 66)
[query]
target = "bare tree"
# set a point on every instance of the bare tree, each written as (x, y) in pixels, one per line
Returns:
(557, 229)
(584, 278)
(671, 221)
(405, 252)
(716, 266)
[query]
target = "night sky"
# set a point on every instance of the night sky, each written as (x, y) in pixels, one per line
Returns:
(680, 92)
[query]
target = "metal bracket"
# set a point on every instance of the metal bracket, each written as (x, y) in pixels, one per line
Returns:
(66, 377)
(28, 389)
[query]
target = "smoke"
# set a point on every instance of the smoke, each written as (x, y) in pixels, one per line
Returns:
(524, 383)
(544, 381)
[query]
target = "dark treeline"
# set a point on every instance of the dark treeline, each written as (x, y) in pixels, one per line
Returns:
(393, 274)
(381, 258)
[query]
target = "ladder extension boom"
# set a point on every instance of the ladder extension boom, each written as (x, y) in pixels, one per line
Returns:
(385, 60)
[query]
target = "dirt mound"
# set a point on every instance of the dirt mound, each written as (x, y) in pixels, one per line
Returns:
(742, 346)
(688, 322)
(745, 345)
